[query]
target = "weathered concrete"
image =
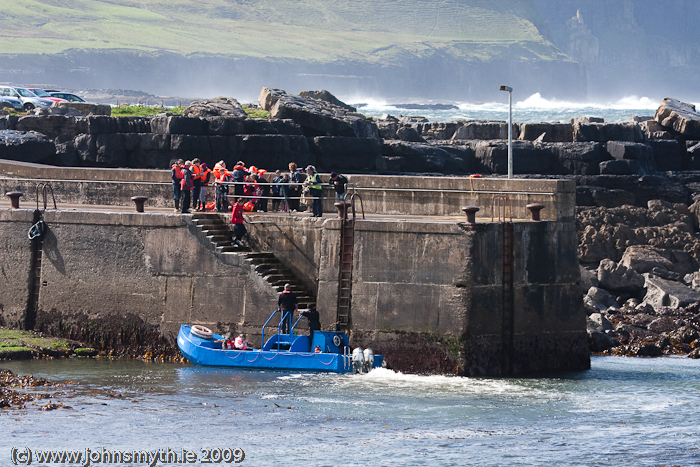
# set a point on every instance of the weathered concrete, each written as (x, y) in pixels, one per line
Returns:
(428, 286)
(99, 264)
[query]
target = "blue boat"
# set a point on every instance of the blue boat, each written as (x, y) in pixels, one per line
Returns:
(329, 351)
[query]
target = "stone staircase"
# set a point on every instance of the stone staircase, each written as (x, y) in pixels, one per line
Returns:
(214, 232)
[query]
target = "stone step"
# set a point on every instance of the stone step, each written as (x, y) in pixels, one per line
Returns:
(258, 254)
(218, 238)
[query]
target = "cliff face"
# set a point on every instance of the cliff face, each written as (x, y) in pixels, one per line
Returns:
(628, 47)
(438, 75)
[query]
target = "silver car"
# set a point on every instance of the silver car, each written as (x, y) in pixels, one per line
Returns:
(11, 103)
(28, 98)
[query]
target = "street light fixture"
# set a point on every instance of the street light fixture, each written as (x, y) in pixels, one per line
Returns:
(510, 129)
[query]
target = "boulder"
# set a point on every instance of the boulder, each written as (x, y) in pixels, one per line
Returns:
(423, 157)
(225, 126)
(664, 293)
(679, 116)
(268, 97)
(600, 342)
(78, 109)
(598, 322)
(623, 167)
(266, 126)
(178, 125)
(642, 258)
(577, 158)
(585, 120)
(409, 134)
(588, 279)
(684, 335)
(320, 118)
(217, 107)
(436, 130)
(662, 324)
(599, 298)
(618, 278)
(667, 154)
(53, 127)
(692, 280)
(328, 97)
(556, 132)
(641, 153)
(25, 146)
(528, 158)
(484, 131)
(339, 153)
(604, 132)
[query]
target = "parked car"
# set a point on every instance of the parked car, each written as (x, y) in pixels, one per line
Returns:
(28, 98)
(67, 96)
(45, 95)
(11, 103)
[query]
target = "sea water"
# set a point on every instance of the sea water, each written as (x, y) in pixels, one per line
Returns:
(622, 412)
(532, 109)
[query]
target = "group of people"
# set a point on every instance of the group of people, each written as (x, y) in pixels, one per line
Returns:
(229, 343)
(190, 182)
(251, 188)
(288, 304)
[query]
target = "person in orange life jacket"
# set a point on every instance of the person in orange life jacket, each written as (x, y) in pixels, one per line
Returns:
(240, 343)
(237, 220)
(239, 174)
(197, 183)
(221, 175)
(227, 342)
(204, 178)
(176, 175)
(314, 323)
(287, 304)
(186, 186)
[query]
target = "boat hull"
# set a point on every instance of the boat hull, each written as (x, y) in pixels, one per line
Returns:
(201, 351)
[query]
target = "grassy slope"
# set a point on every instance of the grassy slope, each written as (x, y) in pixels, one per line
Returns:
(324, 30)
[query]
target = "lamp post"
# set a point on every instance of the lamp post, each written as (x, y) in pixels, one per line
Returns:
(510, 129)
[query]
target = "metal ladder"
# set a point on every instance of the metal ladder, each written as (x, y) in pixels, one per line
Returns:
(347, 250)
(37, 253)
(501, 206)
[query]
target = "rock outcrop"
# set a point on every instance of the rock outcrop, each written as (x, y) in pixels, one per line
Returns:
(217, 107)
(681, 117)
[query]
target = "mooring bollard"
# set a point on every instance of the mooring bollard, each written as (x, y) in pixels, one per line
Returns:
(535, 209)
(342, 207)
(14, 198)
(470, 211)
(139, 201)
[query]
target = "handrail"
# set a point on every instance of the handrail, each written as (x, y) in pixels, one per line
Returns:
(352, 185)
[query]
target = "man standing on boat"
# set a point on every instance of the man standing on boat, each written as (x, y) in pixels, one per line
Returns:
(287, 304)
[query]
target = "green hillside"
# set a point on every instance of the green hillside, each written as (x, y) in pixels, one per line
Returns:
(322, 30)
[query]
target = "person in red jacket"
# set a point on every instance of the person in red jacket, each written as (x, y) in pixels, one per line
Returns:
(238, 221)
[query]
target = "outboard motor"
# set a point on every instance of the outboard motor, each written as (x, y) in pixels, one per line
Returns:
(358, 360)
(369, 360)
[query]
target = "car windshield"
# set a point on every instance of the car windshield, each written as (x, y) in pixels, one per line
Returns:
(40, 92)
(25, 92)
